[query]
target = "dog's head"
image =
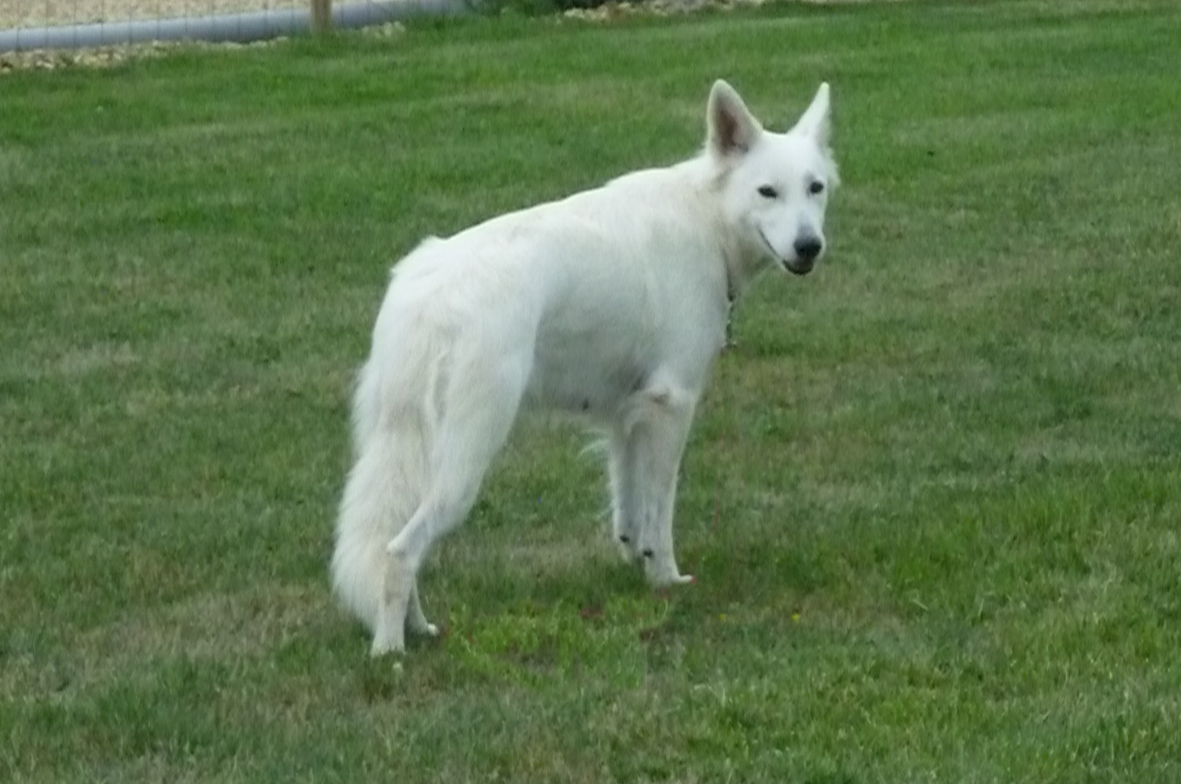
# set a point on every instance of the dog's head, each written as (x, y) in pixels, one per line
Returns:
(775, 186)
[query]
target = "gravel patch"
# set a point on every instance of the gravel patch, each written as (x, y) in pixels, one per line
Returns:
(42, 13)
(108, 56)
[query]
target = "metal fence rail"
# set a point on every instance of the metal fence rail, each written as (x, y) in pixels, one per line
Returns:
(239, 27)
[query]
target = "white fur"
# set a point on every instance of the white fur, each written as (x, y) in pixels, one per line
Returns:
(610, 304)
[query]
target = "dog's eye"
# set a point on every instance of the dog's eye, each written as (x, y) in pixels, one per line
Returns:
(767, 192)
(817, 187)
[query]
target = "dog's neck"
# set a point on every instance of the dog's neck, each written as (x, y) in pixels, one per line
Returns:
(742, 266)
(741, 263)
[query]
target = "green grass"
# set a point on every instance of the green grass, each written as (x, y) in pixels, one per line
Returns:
(933, 500)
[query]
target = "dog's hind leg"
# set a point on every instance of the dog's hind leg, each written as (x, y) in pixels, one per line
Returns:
(476, 416)
(385, 639)
(415, 618)
(656, 441)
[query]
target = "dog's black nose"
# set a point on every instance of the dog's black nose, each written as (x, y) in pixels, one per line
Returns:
(808, 248)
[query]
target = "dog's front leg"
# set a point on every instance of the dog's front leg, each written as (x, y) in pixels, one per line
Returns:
(625, 510)
(655, 444)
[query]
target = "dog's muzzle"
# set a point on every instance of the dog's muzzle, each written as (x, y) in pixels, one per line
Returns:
(807, 250)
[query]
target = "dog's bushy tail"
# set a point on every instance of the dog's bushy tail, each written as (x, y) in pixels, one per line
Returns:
(383, 490)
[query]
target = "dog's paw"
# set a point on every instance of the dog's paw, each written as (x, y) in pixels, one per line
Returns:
(386, 645)
(665, 592)
(423, 626)
(378, 651)
(663, 572)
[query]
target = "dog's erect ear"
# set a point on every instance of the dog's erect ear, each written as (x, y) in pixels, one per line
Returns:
(816, 121)
(730, 127)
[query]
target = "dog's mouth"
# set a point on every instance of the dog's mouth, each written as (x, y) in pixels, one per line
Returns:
(798, 267)
(794, 266)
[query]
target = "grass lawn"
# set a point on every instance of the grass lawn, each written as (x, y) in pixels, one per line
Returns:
(933, 500)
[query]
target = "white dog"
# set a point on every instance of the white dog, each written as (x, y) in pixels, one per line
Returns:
(611, 304)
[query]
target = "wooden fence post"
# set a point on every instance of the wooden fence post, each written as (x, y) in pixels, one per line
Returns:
(321, 15)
